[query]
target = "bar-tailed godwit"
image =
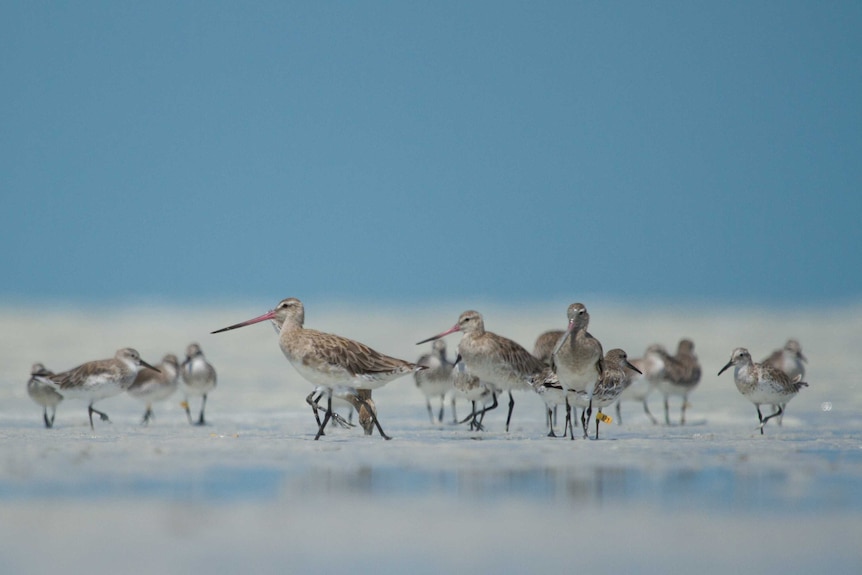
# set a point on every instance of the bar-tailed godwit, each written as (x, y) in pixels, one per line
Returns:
(329, 360)
(545, 345)
(492, 358)
(577, 361)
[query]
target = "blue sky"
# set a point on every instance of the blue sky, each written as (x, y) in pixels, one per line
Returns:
(417, 151)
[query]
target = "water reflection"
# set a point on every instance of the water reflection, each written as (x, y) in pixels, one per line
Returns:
(720, 488)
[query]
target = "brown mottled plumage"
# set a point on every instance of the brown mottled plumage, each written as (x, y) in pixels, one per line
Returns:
(615, 379)
(329, 360)
(762, 383)
(493, 358)
(152, 386)
(545, 345)
(679, 376)
(99, 379)
(790, 360)
(577, 360)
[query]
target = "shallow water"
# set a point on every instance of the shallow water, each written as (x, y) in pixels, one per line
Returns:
(252, 491)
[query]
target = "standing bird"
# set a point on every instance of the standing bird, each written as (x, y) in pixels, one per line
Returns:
(436, 381)
(329, 360)
(577, 360)
(151, 386)
(476, 391)
(542, 349)
(43, 393)
(199, 379)
(679, 376)
(548, 386)
(99, 379)
(762, 384)
(492, 358)
(545, 345)
(612, 383)
(650, 365)
(358, 399)
(790, 360)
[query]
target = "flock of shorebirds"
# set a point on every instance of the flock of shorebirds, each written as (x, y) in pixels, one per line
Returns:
(126, 371)
(567, 368)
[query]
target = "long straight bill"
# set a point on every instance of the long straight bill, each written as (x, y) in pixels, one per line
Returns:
(268, 315)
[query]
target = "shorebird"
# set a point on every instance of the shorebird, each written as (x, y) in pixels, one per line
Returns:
(542, 350)
(545, 345)
(329, 360)
(548, 386)
(199, 379)
(642, 384)
(476, 391)
(492, 358)
(358, 399)
(610, 385)
(99, 379)
(577, 361)
(790, 360)
(152, 386)
(436, 381)
(679, 376)
(43, 393)
(762, 384)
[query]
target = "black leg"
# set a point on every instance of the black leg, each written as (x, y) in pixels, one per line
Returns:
(91, 411)
(759, 417)
(454, 417)
(682, 413)
(598, 420)
(486, 409)
(203, 407)
(585, 418)
(779, 411)
(647, 411)
(569, 428)
(53, 415)
(374, 419)
(619, 414)
(312, 401)
(550, 419)
(480, 415)
(148, 414)
(442, 407)
(185, 405)
(430, 411)
(666, 411)
(326, 417)
(48, 422)
(511, 407)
